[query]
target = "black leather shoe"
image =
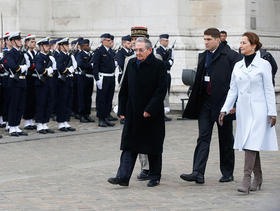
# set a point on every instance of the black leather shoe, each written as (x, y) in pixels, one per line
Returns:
(71, 129)
(77, 116)
(153, 183)
(29, 127)
(43, 131)
(109, 124)
(83, 120)
(110, 118)
(23, 133)
(144, 175)
(122, 121)
(226, 179)
(3, 125)
(1, 136)
(89, 119)
(102, 123)
(193, 177)
(167, 119)
(14, 134)
(118, 181)
(34, 127)
(63, 129)
(49, 131)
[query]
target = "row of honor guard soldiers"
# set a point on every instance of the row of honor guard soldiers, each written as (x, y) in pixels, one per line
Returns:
(58, 81)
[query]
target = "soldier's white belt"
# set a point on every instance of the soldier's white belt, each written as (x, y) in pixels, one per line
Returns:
(4, 74)
(106, 74)
(89, 76)
(20, 77)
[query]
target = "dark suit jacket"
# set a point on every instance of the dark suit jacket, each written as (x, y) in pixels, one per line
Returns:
(221, 68)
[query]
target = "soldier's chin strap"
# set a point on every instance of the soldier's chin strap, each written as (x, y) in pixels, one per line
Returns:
(18, 47)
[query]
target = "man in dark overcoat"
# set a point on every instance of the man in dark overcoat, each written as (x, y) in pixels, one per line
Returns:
(209, 92)
(141, 104)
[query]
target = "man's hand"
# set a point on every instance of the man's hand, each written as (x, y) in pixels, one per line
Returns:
(99, 84)
(146, 114)
(221, 118)
(122, 116)
(272, 120)
(232, 111)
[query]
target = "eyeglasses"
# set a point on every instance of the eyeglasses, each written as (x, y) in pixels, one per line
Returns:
(140, 50)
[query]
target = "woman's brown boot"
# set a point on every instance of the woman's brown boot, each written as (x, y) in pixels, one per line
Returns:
(257, 182)
(250, 157)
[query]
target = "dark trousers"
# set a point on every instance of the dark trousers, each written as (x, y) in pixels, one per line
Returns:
(42, 102)
(53, 94)
(104, 97)
(30, 98)
(64, 100)
(17, 101)
(85, 88)
(127, 162)
(6, 103)
(226, 140)
(75, 101)
(168, 82)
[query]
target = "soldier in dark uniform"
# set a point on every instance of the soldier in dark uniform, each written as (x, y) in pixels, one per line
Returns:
(167, 58)
(18, 64)
(104, 74)
(124, 52)
(45, 65)
(75, 48)
(4, 82)
(85, 82)
(66, 65)
(53, 81)
(29, 107)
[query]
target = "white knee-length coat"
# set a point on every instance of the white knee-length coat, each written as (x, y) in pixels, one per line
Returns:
(252, 88)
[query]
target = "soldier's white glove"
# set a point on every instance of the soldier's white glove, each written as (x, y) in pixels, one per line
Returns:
(50, 71)
(53, 62)
(23, 68)
(116, 63)
(74, 62)
(71, 69)
(166, 110)
(170, 62)
(99, 84)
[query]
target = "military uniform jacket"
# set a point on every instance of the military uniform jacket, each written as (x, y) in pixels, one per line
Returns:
(31, 55)
(63, 60)
(103, 62)
(165, 54)
(14, 59)
(42, 62)
(84, 62)
(121, 55)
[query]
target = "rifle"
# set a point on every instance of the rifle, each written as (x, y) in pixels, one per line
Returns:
(170, 50)
(156, 44)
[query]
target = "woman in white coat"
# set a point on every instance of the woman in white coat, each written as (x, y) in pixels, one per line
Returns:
(252, 90)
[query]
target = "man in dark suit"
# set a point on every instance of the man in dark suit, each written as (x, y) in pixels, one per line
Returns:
(104, 74)
(210, 89)
(141, 104)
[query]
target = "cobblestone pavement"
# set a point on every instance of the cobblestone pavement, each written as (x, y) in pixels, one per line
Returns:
(70, 173)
